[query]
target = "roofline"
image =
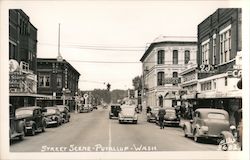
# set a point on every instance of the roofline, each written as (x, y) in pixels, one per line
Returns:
(55, 59)
(152, 45)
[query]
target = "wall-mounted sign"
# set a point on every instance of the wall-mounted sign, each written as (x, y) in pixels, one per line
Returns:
(15, 79)
(172, 80)
(206, 68)
(235, 73)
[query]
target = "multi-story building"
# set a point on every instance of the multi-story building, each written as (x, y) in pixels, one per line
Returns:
(161, 63)
(59, 79)
(22, 55)
(219, 60)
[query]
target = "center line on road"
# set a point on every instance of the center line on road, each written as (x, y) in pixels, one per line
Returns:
(110, 138)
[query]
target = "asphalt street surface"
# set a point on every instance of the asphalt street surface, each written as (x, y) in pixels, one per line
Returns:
(95, 132)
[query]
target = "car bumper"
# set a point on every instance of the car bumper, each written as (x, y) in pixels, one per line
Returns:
(51, 122)
(127, 119)
(171, 122)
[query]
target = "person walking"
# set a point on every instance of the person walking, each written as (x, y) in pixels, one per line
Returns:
(161, 114)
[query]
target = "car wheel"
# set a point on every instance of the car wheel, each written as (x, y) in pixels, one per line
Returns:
(135, 122)
(196, 137)
(120, 121)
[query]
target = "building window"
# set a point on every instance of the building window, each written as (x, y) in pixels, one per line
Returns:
(175, 57)
(44, 81)
(214, 50)
(12, 51)
(187, 56)
(206, 86)
(161, 101)
(225, 46)
(205, 52)
(214, 84)
(160, 78)
(175, 75)
(160, 57)
(59, 81)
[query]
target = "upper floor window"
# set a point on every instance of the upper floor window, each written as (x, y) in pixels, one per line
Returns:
(12, 51)
(59, 81)
(205, 52)
(214, 49)
(225, 45)
(206, 86)
(44, 80)
(187, 56)
(175, 57)
(160, 78)
(160, 57)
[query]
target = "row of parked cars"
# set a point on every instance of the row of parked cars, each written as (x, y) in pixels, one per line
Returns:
(207, 123)
(29, 120)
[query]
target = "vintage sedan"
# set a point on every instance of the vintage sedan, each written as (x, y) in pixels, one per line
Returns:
(151, 116)
(34, 119)
(64, 110)
(207, 123)
(114, 110)
(128, 114)
(171, 118)
(53, 116)
(17, 126)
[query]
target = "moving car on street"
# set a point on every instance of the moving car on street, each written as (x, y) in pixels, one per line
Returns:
(17, 125)
(208, 123)
(64, 110)
(171, 118)
(114, 110)
(128, 114)
(53, 116)
(151, 116)
(34, 119)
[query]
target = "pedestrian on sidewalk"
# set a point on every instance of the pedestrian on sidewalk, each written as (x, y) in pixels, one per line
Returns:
(161, 114)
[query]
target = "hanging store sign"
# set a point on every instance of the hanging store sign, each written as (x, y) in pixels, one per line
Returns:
(172, 80)
(15, 79)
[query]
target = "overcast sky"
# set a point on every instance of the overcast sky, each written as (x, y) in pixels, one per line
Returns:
(94, 34)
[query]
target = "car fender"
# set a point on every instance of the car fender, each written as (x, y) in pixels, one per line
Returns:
(21, 127)
(187, 125)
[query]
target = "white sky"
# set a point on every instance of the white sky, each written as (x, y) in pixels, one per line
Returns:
(111, 24)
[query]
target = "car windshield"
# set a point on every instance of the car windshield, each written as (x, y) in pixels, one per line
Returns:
(51, 110)
(216, 116)
(24, 112)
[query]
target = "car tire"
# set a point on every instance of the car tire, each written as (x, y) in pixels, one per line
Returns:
(120, 121)
(135, 122)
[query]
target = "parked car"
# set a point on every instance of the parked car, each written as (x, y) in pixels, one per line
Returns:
(53, 116)
(17, 126)
(208, 123)
(128, 114)
(34, 119)
(171, 117)
(114, 110)
(84, 108)
(151, 116)
(64, 110)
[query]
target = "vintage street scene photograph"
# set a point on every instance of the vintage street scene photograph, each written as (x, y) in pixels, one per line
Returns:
(124, 76)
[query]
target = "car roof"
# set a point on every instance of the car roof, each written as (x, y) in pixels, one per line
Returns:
(29, 108)
(209, 110)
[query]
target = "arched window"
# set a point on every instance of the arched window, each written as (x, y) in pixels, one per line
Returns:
(175, 57)
(187, 56)
(160, 57)
(160, 78)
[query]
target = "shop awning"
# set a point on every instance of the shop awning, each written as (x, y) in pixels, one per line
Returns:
(30, 95)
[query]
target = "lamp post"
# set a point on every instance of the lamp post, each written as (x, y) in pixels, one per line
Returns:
(76, 99)
(63, 96)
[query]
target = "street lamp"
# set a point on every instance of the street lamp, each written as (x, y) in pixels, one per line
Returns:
(76, 102)
(63, 96)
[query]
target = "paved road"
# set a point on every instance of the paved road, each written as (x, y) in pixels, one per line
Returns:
(95, 132)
